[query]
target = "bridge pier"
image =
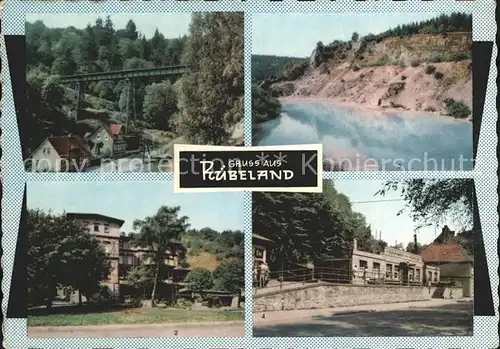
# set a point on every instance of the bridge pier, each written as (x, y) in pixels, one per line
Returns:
(79, 97)
(128, 88)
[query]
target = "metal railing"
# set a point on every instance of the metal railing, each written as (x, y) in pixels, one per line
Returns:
(279, 280)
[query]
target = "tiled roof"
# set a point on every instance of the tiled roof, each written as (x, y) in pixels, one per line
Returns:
(115, 129)
(445, 253)
(95, 216)
(64, 144)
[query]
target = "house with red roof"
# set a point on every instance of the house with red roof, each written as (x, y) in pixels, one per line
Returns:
(61, 154)
(107, 141)
(454, 264)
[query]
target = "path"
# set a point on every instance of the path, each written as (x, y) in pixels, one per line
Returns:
(436, 317)
(214, 329)
(129, 164)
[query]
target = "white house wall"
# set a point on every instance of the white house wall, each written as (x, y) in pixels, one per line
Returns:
(46, 158)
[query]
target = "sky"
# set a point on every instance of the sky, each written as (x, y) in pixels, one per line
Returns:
(382, 215)
(296, 35)
(136, 200)
(171, 25)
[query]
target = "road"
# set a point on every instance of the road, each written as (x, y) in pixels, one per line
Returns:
(214, 329)
(130, 164)
(428, 318)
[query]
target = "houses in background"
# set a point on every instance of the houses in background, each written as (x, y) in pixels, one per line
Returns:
(72, 153)
(107, 141)
(60, 154)
(454, 263)
(122, 257)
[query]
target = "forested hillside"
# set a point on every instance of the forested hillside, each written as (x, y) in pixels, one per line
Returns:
(266, 66)
(166, 105)
(207, 248)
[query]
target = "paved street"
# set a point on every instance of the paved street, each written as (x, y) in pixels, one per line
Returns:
(215, 329)
(428, 318)
(130, 164)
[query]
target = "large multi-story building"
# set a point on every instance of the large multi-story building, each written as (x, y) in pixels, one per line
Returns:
(121, 254)
(107, 230)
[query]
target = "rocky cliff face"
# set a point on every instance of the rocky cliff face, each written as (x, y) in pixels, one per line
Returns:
(413, 73)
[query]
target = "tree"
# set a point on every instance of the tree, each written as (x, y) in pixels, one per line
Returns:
(435, 201)
(160, 233)
(61, 254)
(141, 277)
(411, 247)
(306, 227)
(355, 36)
(160, 104)
(199, 279)
(230, 276)
(210, 96)
(131, 30)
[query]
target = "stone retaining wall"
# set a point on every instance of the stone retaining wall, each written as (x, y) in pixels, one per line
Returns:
(330, 296)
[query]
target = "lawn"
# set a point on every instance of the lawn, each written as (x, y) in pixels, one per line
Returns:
(134, 316)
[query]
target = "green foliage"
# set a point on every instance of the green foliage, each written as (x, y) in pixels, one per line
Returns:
(199, 279)
(211, 95)
(160, 232)
(438, 75)
(270, 67)
(225, 245)
(264, 106)
(454, 22)
(308, 226)
(369, 37)
(160, 104)
(61, 254)
(461, 56)
(230, 276)
(141, 276)
(457, 109)
(430, 69)
(355, 36)
(430, 202)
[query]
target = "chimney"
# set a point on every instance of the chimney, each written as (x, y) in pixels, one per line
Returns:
(354, 245)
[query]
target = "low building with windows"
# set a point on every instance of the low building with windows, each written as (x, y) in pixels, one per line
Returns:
(454, 264)
(107, 141)
(391, 266)
(60, 154)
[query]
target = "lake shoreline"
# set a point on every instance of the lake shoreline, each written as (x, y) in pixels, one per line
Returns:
(373, 110)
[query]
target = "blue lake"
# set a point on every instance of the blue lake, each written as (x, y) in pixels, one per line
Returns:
(364, 139)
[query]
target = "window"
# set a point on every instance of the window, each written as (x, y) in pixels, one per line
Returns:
(96, 226)
(44, 150)
(388, 270)
(363, 264)
(107, 246)
(48, 151)
(106, 227)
